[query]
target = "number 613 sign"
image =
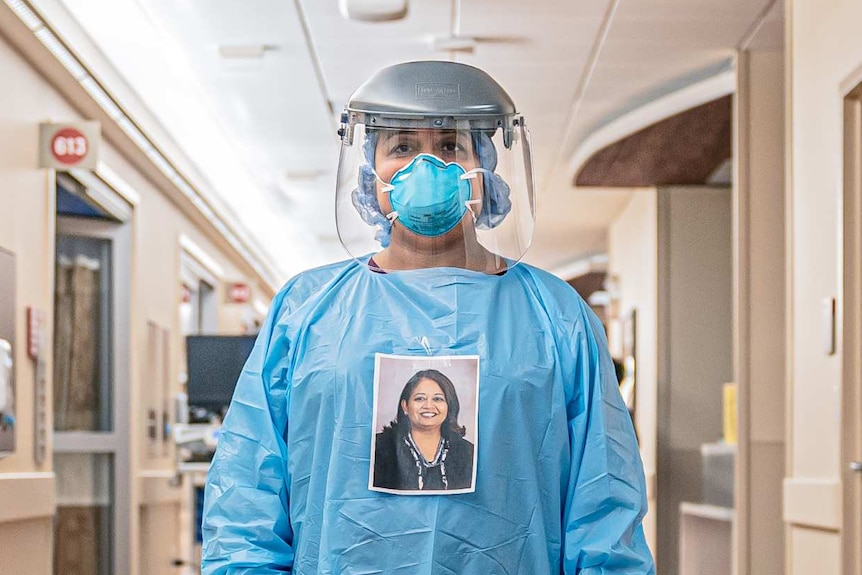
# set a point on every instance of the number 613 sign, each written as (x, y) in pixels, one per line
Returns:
(69, 145)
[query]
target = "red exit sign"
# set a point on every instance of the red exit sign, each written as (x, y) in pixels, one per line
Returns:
(238, 292)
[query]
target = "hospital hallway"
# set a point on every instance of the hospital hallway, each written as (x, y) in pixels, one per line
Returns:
(692, 169)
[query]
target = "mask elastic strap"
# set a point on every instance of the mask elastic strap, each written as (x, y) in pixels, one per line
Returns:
(392, 216)
(386, 187)
(469, 203)
(471, 175)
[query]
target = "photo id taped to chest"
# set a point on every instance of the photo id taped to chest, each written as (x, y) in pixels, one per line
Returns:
(425, 427)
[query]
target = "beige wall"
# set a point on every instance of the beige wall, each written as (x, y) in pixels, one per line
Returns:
(158, 552)
(23, 544)
(825, 48)
(27, 229)
(632, 257)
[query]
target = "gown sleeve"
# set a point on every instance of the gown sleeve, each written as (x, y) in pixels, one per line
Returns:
(606, 492)
(246, 525)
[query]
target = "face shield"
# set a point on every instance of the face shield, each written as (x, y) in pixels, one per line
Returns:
(436, 192)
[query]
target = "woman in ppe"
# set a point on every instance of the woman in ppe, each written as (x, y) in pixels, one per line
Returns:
(435, 205)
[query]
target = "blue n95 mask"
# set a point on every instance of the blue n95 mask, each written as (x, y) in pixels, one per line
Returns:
(429, 196)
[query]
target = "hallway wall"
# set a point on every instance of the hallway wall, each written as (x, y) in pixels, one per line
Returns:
(825, 51)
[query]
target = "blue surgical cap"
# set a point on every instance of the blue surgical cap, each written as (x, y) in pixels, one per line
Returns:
(496, 203)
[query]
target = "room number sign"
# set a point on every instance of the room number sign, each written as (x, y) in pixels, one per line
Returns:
(69, 145)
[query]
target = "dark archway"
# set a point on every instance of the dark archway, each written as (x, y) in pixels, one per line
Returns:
(685, 149)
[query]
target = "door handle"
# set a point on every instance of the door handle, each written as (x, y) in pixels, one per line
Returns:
(856, 466)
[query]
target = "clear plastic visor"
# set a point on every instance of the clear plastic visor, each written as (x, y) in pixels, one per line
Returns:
(410, 198)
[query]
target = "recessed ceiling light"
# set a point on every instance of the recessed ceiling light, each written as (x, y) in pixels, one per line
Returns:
(373, 10)
(306, 175)
(244, 51)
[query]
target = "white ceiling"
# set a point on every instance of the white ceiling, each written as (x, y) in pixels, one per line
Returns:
(263, 130)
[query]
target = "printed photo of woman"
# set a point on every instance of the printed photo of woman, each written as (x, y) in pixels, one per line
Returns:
(423, 448)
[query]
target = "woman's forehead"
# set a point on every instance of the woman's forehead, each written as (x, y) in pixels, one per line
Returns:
(431, 135)
(425, 384)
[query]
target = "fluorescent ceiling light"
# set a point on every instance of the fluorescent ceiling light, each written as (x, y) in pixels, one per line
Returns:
(60, 52)
(132, 131)
(23, 11)
(164, 166)
(102, 98)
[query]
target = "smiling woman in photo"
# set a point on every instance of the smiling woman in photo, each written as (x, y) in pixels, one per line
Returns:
(424, 448)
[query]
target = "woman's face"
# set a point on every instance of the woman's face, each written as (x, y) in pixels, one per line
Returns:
(426, 408)
(396, 148)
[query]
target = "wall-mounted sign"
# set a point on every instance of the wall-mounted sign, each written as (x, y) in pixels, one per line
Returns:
(70, 145)
(35, 325)
(238, 292)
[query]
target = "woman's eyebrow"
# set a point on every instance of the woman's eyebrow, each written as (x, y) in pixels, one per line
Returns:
(400, 135)
(459, 138)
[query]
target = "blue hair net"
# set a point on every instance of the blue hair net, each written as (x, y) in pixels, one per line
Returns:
(496, 203)
(364, 196)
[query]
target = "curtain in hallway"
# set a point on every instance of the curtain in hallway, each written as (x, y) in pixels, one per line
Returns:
(76, 345)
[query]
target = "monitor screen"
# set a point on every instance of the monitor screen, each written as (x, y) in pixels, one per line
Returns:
(214, 364)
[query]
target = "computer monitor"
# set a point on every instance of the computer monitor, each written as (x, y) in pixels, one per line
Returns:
(214, 365)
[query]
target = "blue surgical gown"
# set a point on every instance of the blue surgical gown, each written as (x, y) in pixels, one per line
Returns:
(559, 480)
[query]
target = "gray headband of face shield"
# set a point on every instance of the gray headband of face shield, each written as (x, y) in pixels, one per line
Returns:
(496, 203)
